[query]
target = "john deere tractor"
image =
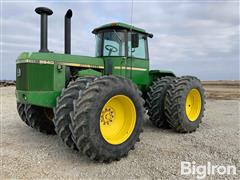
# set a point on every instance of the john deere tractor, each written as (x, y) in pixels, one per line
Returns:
(97, 105)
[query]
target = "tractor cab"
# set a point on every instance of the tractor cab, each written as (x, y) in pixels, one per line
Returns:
(121, 40)
(124, 49)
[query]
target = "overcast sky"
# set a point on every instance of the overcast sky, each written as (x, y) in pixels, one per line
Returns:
(198, 38)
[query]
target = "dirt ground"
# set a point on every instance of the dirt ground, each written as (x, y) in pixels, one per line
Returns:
(28, 154)
(222, 89)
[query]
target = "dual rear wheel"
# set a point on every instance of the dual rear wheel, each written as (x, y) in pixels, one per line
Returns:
(177, 102)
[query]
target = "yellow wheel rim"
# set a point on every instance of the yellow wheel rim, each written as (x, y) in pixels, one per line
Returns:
(193, 104)
(117, 119)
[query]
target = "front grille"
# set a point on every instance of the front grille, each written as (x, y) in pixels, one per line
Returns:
(34, 77)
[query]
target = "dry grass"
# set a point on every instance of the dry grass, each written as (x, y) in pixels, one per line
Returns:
(222, 89)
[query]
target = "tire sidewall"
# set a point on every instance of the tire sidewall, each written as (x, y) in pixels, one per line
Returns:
(94, 123)
(186, 123)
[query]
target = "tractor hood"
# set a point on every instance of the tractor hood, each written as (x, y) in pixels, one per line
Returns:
(40, 77)
(62, 59)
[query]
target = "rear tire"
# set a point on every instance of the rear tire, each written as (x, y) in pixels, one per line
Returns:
(64, 107)
(155, 101)
(40, 118)
(87, 118)
(21, 113)
(185, 102)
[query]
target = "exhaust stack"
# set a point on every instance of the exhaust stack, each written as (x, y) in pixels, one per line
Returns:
(67, 32)
(44, 12)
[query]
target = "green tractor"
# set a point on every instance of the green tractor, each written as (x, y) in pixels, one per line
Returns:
(97, 105)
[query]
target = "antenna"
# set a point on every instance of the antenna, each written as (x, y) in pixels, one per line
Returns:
(132, 15)
(131, 36)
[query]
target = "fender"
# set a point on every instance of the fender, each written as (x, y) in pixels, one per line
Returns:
(155, 74)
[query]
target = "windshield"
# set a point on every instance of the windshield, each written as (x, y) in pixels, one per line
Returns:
(113, 43)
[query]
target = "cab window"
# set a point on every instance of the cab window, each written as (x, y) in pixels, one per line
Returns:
(113, 43)
(98, 49)
(140, 51)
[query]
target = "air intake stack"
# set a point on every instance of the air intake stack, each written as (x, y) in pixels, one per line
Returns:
(67, 32)
(44, 12)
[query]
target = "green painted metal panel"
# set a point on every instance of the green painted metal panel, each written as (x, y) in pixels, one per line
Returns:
(59, 77)
(24, 55)
(155, 74)
(21, 77)
(40, 77)
(34, 77)
(116, 62)
(89, 72)
(134, 69)
(39, 98)
(119, 24)
(139, 73)
(58, 58)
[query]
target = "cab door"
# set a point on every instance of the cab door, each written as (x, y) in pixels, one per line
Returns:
(114, 52)
(138, 59)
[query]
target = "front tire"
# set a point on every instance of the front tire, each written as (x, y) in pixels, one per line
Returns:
(21, 113)
(40, 118)
(64, 107)
(185, 102)
(107, 118)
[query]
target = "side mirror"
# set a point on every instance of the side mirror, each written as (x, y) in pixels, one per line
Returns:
(135, 40)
